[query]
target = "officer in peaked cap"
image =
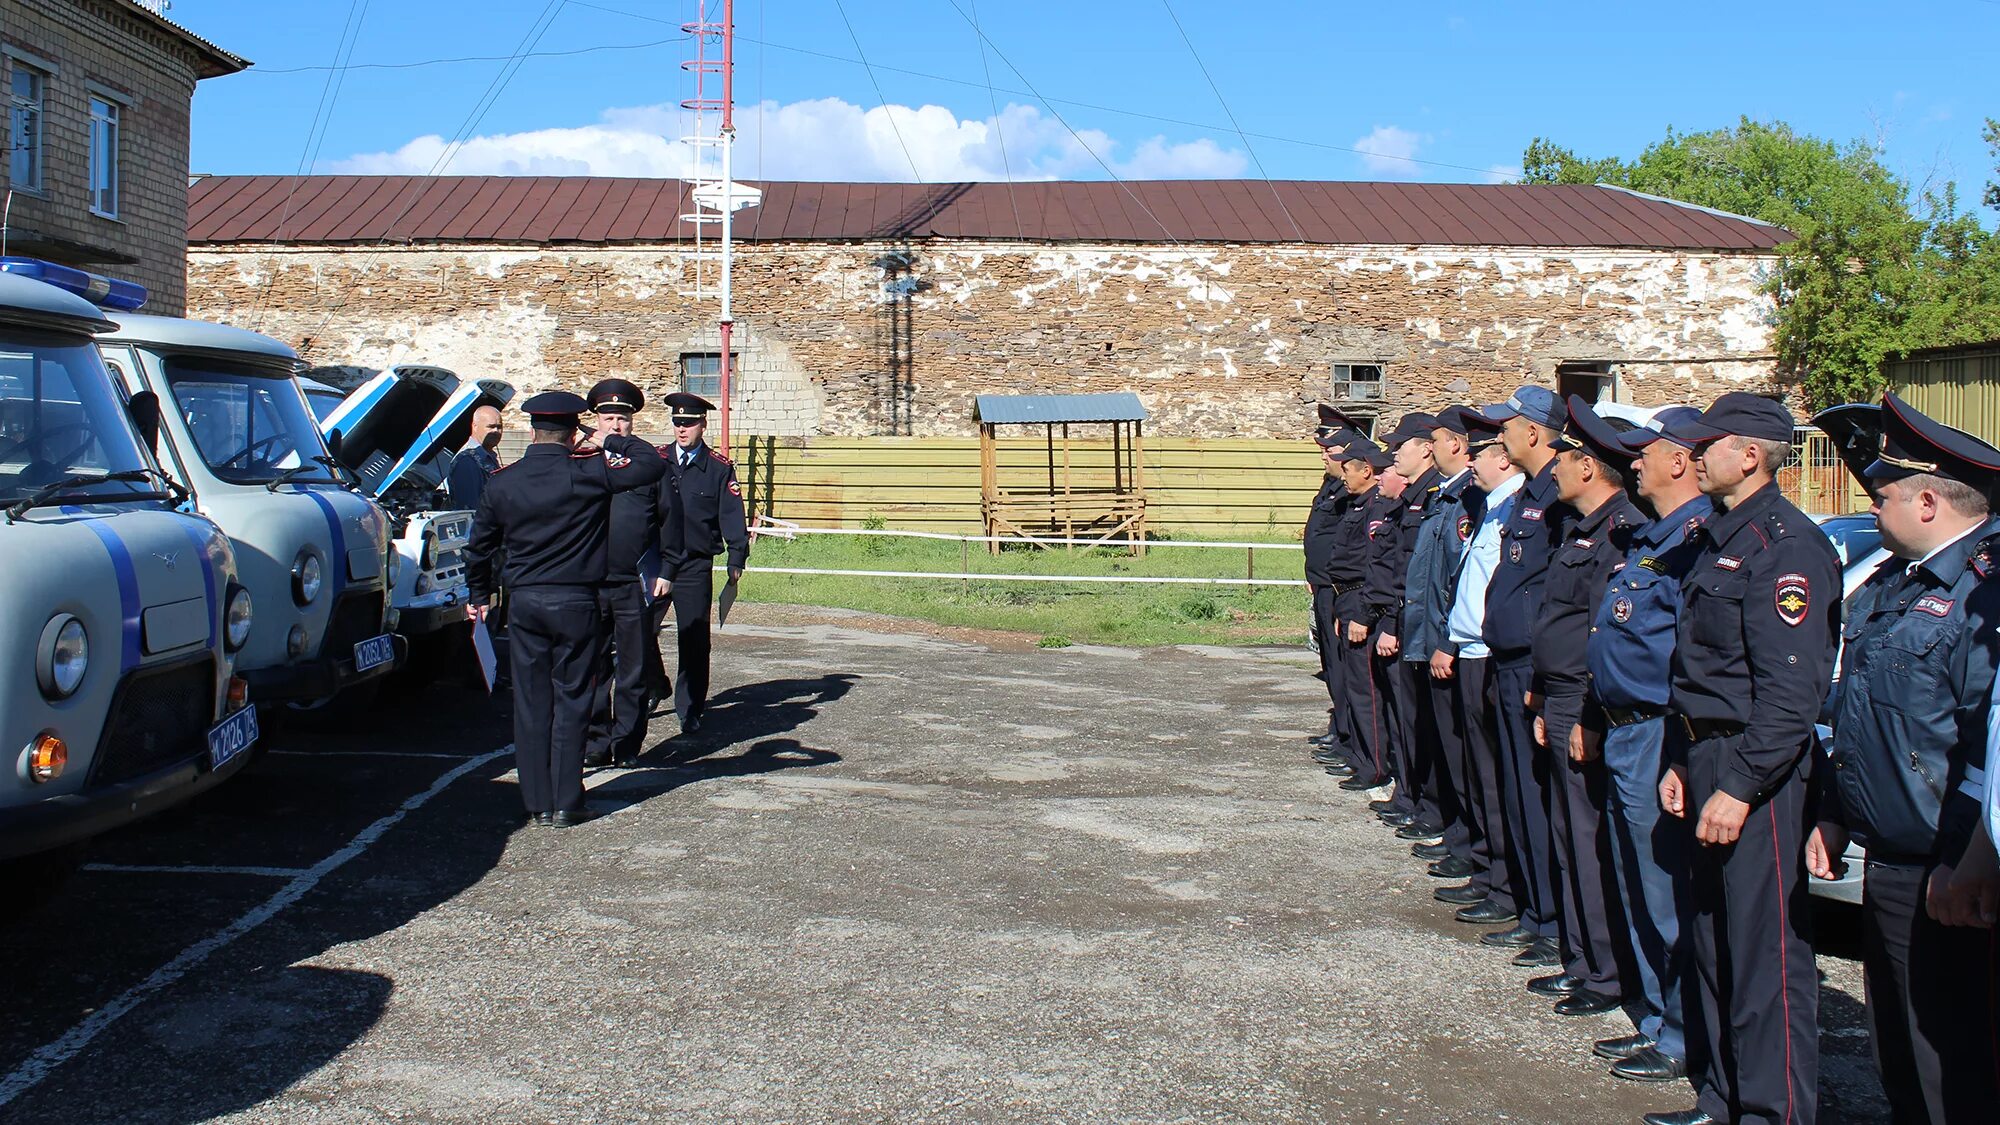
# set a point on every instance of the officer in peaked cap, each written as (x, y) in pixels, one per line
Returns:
(1332, 420)
(628, 658)
(1591, 470)
(1753, 654)
(1366, 531)
(1912, 711)
(701, 516)
(1387, 593)
(1630, 647)
(550, 511)
(1322, 528)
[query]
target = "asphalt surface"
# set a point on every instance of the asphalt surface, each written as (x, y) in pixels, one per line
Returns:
(905, 874)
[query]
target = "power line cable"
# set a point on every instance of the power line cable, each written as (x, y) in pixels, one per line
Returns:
(1227, 112)
(418, 63)
(993, 99)
(888, 111)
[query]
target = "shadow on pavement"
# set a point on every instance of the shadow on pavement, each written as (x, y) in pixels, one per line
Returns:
(748, 713)
(769, 756)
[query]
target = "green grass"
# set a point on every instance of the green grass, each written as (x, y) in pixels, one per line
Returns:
(1058, 614)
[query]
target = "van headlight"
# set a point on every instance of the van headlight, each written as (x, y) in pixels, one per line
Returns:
(236, 618)
(62, 657)
(395, 567)
(306, 578)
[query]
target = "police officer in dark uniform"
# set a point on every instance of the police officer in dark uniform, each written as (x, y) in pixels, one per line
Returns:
(1911, 715)
(1530, 421)
(618, 705)
(1631, 645)
(1363, 724)
(1387, 588)
(701, 515)
(1322, 522)
(1591, 468)
(1759, 622)
(551, 511)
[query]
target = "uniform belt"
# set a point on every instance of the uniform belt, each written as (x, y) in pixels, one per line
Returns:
(1625, 718)
(1702, 729)
(1341, 589)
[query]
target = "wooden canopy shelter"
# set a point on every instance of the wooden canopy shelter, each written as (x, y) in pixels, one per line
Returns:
(1036, 500)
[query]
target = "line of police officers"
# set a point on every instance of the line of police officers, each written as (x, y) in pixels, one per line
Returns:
(580, 531)
(1591, 657)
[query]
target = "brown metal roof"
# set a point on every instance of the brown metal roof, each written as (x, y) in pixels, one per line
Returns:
(604, 210)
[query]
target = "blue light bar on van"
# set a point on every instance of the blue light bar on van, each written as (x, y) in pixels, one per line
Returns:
(104, 292)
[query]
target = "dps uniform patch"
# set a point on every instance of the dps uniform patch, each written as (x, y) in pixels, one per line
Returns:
(1794, 594)
(1934, 605)
(1514, 552)
(1375, 526)
(1464, 528)
(1621, 610)
(735, 490)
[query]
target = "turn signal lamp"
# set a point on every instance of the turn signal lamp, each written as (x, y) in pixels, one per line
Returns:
(239, 693)
(48, 756)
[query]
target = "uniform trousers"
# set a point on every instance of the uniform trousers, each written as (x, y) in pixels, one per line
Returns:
(1649, 854)
(1592, 925)
(618, 702)
(1329, 652)
(1441, 746)
(693, 594)
(1933, 1032)
(1409, 727)
(1497, 870)
(1524, 783)
(552, 645)
(1365, 725)
(1753, 1010)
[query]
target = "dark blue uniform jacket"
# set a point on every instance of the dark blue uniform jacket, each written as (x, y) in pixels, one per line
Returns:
(1348, 559)
(1321, 524)
(1383, 587)
(1376, 529)
(1447, 523)
(551, 511)
(701, 510)
(1514, 599)
(1632, 641)
(1596, 545)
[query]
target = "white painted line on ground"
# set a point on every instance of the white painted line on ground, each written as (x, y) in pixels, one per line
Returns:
(193, 869)
(367, 754)
(45, 1060)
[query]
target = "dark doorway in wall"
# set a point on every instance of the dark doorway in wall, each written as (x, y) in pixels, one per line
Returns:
(1592, 381)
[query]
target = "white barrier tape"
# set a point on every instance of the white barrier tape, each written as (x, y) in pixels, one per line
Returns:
(1162, 580)
(786, 531)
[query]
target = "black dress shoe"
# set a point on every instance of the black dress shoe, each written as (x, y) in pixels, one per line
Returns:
(1680, 1117)
(1329, 758)
(1650, 1065)
(1520, 937)
(1451, 867)
(1397, 819)
(1557, 984)
(1359, 784)
(1485, 913)
(542, 819)
(570, 818)
(1459, 896)
(1418, 830)
(1323, 740)
(1539, 955)
(1623, 1047)
(1585, 1002)
(1430, 851)
(691, 725)
(1381, 807)
(596, 759)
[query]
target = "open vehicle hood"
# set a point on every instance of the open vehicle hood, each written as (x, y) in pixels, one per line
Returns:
(404, 424)
(1856, 430)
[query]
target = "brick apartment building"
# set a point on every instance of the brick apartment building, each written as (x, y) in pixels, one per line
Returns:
(883, 309)
(99, 93)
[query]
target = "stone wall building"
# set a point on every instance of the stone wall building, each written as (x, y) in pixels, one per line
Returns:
(98, 95)
(883, 309)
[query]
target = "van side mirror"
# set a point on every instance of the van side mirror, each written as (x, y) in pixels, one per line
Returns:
(144, 409)
(333, 445)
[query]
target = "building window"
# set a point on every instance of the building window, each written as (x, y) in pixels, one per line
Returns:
(1592, 382)
(1357, 382)
(701, 373)
(104, 157)
(25, 90)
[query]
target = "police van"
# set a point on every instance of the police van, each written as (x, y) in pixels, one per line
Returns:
(398, 431)
(120, 619)
(313, 549)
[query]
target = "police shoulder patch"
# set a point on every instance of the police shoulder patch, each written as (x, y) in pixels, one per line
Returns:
(735, 489)
(1934, 605)
(1621, 610)
(1464, 527)
(1794, 598)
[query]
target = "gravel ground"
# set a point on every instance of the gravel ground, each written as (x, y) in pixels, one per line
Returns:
(907, 873)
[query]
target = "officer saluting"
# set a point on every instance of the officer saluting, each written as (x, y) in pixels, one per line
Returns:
(701, 515)
(550, 511)
(626, 640)
(1759, 622)
(1912, 711)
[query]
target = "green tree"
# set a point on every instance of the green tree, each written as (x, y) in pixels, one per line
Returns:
(1866, 275)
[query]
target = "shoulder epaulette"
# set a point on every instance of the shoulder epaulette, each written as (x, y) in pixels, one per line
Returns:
(1980, 562)
(717, 454)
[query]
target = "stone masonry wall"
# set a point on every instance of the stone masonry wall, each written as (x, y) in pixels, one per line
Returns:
(91, 42)
(1218, 341)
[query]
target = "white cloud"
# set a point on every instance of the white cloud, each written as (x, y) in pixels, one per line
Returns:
(1503, 174)
(1387, 151)
(820, 139)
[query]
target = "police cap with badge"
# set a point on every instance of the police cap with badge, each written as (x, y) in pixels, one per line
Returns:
(1594, 435)
(1668, 423)
(1482, 424)
(1414, 426)
(617, 396)
(555, 410)
(1537, 404)
(688, 409)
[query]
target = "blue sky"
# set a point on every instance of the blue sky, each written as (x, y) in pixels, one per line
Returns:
(1426, 91)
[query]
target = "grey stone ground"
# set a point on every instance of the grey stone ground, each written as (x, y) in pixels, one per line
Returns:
(913, 874)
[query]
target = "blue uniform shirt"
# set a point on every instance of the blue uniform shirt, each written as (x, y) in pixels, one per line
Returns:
(1537, 524)
(1632, 640)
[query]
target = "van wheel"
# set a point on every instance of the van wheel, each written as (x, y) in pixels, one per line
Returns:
(28, 883)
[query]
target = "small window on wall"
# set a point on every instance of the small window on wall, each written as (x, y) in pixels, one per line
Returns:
(701, 373)
(104, 116)
(26, 87)
(1360, 382)
(1592, 382)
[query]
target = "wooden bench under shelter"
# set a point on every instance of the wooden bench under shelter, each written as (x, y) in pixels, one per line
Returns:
(1097, 500)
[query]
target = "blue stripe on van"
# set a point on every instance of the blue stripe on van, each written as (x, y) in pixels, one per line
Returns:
(128, 589)
(336, 567)
(215, 609)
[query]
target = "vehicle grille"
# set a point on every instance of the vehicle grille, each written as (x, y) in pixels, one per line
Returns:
(159, 716)
(356, 617)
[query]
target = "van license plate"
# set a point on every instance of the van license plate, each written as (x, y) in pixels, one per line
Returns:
(374, 651)
(231, 737)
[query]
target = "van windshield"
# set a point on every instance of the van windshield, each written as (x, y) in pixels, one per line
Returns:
(60, 418)
(249, 425)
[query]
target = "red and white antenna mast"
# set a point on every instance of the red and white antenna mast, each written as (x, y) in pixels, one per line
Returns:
(716, 197)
